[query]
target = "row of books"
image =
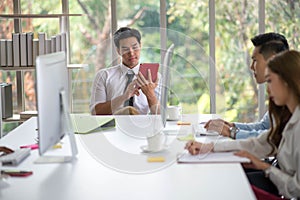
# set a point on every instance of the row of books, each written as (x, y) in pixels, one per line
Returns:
(23, 48)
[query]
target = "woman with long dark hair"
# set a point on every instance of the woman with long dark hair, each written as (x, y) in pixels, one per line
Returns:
(282, 141)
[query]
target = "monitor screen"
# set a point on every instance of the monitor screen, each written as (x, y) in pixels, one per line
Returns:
(52, 99)
(165, 84)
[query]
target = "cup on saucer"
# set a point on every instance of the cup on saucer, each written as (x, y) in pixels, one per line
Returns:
(174, 113)
(156, 143)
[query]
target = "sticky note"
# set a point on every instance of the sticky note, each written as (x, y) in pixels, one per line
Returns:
(57, 146)
(156, 159)
(183, 123)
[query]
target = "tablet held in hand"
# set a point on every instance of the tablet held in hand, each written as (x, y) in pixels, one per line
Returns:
(153, 68)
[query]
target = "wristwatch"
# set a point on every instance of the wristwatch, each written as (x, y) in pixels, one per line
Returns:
(233, 131)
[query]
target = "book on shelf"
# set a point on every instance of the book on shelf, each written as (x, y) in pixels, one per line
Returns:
(53, 44)
(16, 49)
(3, 53)
(48, 46)
(23, 50)
(35, 50)
(29, 48)
(42, 38)
(9, 53)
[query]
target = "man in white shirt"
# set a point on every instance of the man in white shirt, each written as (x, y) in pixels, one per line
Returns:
(113, 88)
(266, 45)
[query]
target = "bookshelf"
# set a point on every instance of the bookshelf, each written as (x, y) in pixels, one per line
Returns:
(17, 16)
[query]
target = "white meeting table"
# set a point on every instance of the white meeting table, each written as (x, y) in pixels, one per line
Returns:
(116, 170)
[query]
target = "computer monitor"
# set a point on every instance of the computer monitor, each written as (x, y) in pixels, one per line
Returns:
(52, 104)
(165, 84)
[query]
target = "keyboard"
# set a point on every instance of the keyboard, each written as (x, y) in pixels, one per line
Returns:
(16, 157)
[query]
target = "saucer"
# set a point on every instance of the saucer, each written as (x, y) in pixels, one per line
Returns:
(146, 150)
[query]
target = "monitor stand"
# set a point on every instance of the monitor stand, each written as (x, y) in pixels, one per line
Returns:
(67, 126)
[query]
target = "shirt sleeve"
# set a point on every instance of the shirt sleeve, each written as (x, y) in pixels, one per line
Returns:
(287, 185)
(263, 124)
(243, 134)
(98, 93)
(257, 146)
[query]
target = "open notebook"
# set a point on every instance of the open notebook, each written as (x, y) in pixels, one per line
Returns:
(86, 123)
(213, 157)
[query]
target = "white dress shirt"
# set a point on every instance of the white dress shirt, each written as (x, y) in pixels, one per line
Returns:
(287, 178)
(110, 83)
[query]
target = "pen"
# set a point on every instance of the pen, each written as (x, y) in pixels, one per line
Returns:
(16, 172)
(31, 146)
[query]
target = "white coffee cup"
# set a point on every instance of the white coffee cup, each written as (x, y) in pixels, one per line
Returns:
(157, 142)
(173, 112)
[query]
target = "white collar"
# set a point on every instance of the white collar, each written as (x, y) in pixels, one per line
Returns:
(125, 69)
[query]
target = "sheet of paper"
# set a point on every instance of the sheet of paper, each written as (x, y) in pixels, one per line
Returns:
(212, 157)
(87, 123)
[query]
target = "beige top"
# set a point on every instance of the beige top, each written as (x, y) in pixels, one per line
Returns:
(287, 178)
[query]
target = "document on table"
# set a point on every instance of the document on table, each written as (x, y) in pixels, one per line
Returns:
(212, 157)
(84, 123)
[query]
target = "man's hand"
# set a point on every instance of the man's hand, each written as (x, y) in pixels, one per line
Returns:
(220, 126)
(131, 90)
(147, 86)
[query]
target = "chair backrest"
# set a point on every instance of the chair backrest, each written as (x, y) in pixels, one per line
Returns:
(264, 195)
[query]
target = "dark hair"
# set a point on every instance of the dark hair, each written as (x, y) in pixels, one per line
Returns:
(287, 66)
(124, 33)
(268, 37)
(270, 48)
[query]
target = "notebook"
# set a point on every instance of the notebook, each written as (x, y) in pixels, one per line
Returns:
(86, 123)
(212, 157)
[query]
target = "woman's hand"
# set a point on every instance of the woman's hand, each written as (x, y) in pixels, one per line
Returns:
(195, 148)
(255, 163)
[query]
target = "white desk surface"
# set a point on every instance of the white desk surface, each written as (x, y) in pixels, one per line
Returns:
(88, 177)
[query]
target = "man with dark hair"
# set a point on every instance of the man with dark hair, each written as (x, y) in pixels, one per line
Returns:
(265, 46)
(124, 33)
(122, 87)
(269, 37)
(269, 49)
